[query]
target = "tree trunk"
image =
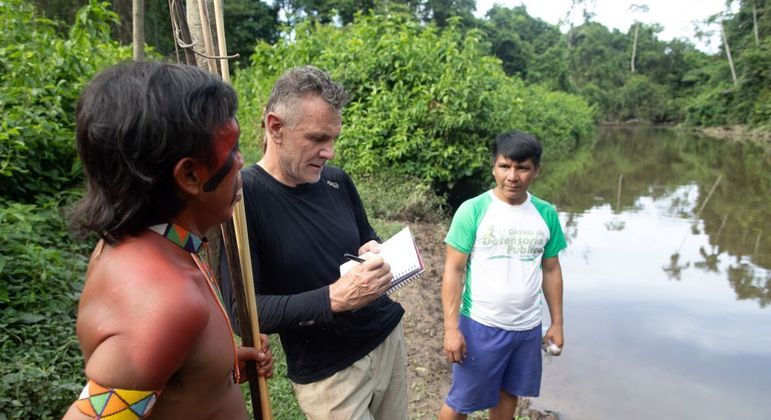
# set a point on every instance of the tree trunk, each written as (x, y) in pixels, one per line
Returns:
(755, 23)
(728, 52)
(138, 20)
(634, 44)
(200, 33)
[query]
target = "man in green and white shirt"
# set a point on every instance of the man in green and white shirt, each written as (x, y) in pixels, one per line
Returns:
(505, 241)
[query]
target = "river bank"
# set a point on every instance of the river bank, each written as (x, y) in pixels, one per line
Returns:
(723, 132)
(736, 133)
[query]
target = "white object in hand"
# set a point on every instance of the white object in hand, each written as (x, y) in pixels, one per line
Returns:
(552, 349)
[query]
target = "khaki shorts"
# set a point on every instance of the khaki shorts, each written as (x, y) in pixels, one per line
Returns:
(373, 388)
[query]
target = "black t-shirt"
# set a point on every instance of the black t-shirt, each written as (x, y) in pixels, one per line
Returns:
(297, 238)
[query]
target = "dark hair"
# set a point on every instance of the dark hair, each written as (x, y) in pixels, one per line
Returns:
(299, 82)
(134, 122)
(517, 146)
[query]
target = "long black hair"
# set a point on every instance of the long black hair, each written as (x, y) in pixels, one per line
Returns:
(134, 122)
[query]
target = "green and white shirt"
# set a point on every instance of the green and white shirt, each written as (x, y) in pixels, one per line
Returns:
(505, 245)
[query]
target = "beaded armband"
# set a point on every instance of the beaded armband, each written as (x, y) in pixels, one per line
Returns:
(115, 404)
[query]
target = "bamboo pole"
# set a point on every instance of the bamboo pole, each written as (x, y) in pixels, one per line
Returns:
(247, 288)
(240, 261)
(221, 44)
(247, 338)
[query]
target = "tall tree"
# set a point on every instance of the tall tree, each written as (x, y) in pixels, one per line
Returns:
(441, 11)
(755, 23)
(728, 52)
(250, 21)
(636, 8)
(138, 23)
(528, 47)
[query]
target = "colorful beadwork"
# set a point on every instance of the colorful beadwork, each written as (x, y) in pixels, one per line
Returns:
(115, 404)
(179, 235)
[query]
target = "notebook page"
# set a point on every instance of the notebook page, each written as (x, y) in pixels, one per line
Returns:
(400, 253)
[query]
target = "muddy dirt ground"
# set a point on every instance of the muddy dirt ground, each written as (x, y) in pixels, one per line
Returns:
(429, 370)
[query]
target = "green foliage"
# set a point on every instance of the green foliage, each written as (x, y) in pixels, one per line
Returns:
(41, 272)
(720, 102)
(440, 12)
(426, 103)
(527, 46)
(247, 22)
(41, 78)
(403, 199)
(641, 98)
(672, 82)
(723, 103)
(41, 268)
(282, 400)
(560, 120)
(710, 107)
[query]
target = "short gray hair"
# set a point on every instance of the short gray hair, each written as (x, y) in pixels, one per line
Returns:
(300, 82)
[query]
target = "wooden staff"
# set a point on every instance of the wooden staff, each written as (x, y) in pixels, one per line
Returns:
(256, 383)
(240, 262)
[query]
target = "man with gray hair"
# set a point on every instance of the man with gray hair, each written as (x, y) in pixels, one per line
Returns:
(342, 336)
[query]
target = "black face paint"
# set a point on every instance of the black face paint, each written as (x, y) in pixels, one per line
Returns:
(212, 183)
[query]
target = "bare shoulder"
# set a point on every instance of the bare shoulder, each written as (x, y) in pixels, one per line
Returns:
(141, 313)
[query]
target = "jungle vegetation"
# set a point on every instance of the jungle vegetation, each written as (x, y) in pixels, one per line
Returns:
(432, 84)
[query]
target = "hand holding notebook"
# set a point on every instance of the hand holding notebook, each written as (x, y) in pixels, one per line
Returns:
(402, 254)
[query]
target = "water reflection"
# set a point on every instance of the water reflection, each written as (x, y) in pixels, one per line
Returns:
(667, 279)
(674, 268)
(730, 201)
(749, 283)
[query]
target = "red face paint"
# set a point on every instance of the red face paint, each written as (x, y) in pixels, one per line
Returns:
(224, 139)
(225, 148)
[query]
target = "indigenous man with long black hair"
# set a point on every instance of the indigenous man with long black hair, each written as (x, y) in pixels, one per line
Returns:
(159, 146)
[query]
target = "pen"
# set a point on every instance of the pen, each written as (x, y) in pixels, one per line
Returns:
(354, 258)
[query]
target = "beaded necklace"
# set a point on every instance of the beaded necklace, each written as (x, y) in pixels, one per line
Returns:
(193, 244)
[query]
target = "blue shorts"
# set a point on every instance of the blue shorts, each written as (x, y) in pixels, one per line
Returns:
(497, 360)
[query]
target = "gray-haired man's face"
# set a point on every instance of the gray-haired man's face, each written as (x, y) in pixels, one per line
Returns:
(307, 145)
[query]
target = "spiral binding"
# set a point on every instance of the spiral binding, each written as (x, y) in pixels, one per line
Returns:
(404, 282)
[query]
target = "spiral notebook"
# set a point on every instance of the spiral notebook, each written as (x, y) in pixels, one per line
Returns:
(401, 252)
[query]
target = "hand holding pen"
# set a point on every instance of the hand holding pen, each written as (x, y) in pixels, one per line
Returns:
(364, 283)
(354, 258)
(371, 247)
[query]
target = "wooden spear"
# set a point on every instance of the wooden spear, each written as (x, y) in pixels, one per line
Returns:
(240, 262)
